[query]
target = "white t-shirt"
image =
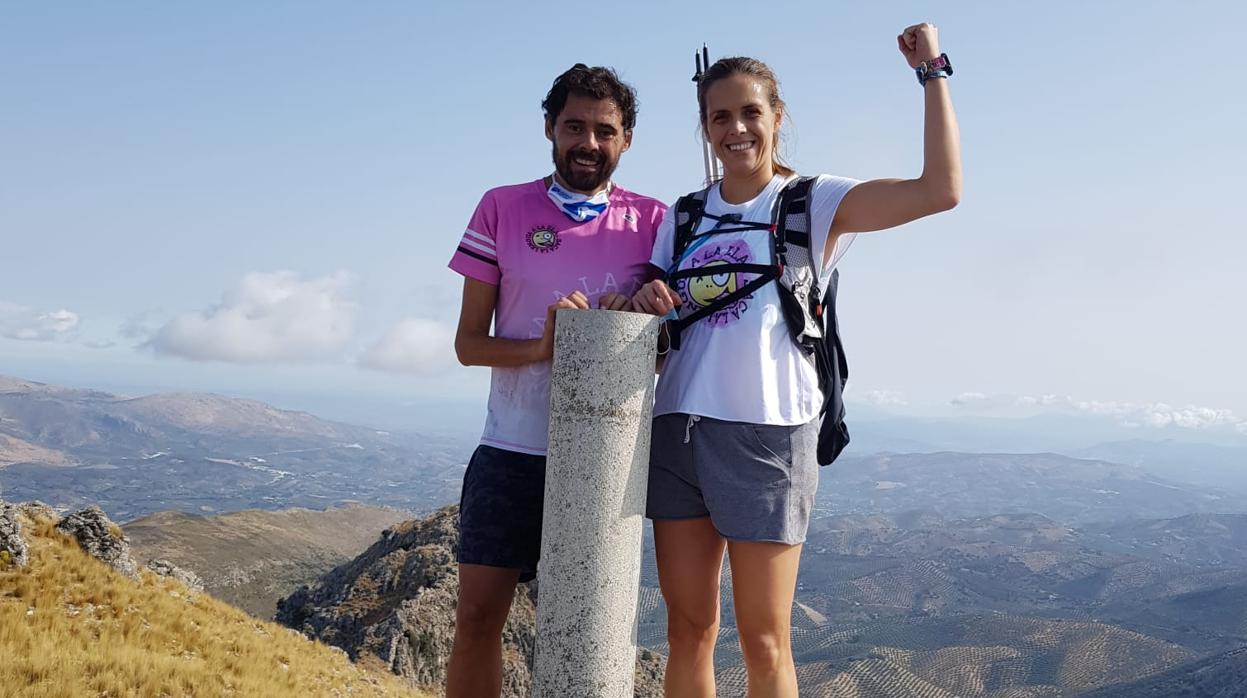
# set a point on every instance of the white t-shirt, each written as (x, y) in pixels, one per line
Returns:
(740, 363)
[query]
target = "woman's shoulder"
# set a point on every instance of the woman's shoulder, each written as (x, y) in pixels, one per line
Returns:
(832, 181)
(823, 179)
(827, 190)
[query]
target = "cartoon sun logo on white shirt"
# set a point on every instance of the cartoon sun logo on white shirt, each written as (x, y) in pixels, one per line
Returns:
(704, 290)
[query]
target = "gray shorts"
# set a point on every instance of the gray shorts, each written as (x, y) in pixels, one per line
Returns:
(756, 482)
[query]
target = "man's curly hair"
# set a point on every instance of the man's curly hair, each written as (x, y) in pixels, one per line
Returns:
(597, 83)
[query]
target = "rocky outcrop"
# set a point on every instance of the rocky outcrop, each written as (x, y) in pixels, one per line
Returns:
(650, 669)
(101, 539)
(13, 547)
(165, 568)
(396, 602)
(38, 511)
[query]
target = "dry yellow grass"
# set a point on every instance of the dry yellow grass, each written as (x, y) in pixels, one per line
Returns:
(71, 626)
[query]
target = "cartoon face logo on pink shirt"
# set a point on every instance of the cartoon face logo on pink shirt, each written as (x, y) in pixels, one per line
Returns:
(703, 290)
(543, 238)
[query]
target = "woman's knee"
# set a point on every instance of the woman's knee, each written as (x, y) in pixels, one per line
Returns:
(765, 651)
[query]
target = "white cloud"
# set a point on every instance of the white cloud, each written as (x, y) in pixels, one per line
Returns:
(1190, 417)
(21, 322)
(414, 345)
(885, 398)
(966, 399)
(1158, 415)
(267, 317)
(1042, 401)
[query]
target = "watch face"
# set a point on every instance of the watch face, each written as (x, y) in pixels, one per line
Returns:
(939, 61)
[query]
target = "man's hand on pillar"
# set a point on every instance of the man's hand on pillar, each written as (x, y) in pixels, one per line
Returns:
(614, 301)
(573, 301)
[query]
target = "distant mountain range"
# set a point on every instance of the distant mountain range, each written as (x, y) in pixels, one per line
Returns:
(1056, 430)
(1211, 465)
(970, 484)
(207, 453)
(1211, 458)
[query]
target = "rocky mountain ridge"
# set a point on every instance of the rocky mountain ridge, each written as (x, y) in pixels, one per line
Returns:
(396, 602)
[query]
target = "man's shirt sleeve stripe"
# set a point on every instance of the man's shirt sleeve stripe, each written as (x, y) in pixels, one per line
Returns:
(475, 255)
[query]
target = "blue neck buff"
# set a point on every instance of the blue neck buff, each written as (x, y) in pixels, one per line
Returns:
(578, 207)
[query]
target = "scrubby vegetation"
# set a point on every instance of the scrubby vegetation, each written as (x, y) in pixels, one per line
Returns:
(70, 626)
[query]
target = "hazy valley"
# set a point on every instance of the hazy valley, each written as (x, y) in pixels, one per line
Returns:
(1005, 575)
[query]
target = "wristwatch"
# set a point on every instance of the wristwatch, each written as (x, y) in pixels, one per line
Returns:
(938, 67)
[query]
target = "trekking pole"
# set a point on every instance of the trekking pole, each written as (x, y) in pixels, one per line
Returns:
(714, 162)
(709, 161)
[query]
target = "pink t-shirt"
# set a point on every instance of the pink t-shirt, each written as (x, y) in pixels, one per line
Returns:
(519, 241)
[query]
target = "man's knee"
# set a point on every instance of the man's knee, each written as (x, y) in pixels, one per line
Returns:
(479, 620)
(689, 629)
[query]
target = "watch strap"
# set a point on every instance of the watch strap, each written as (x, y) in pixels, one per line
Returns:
(938, 67)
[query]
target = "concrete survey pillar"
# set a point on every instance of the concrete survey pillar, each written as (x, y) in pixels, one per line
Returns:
(601, 404)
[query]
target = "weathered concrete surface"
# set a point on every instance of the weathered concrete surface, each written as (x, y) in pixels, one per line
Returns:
(601, 402)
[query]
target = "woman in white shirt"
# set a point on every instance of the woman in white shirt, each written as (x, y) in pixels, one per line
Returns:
(733, 465)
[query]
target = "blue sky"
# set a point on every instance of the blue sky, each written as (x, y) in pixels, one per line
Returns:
(163, 165)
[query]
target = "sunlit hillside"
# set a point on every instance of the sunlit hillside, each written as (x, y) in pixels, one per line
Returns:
(70, 625)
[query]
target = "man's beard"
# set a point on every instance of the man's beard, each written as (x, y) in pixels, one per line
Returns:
(580, 180)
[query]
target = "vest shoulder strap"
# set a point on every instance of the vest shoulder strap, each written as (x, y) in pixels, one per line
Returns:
(794, 218)
(689, 210)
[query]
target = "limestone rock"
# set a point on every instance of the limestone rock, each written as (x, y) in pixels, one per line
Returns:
(651, 667)
(36, 511)
(13, 547)
(101, 539)
(165, 568)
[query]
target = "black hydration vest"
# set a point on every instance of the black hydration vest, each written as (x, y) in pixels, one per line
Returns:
(809, 313)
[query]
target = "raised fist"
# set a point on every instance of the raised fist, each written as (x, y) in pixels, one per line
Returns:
(919, 43)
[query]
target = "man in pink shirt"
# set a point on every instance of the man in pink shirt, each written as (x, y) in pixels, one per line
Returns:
(573, 239)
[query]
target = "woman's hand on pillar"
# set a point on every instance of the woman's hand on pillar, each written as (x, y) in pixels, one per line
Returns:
(655, 298)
